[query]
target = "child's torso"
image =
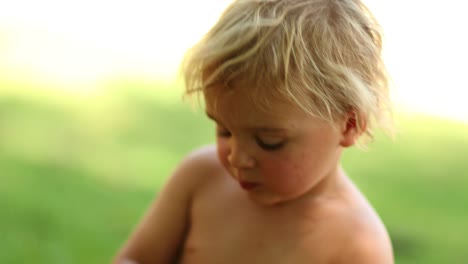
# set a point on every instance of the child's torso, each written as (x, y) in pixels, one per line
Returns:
(226, 227)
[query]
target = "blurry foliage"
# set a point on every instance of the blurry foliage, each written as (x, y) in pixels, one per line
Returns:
(419, 185)
(76, 174)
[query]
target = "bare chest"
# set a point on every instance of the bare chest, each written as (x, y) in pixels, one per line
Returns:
(229, 230)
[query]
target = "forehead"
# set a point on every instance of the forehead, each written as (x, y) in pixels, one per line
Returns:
(240, 105)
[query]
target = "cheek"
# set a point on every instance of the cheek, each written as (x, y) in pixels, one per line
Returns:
(285, 174)
(223, 152)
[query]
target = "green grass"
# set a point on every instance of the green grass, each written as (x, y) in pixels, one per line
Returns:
(76, 174)
(419, 185)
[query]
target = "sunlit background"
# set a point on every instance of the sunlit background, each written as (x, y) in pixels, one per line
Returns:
(91, 111)
(77, 45)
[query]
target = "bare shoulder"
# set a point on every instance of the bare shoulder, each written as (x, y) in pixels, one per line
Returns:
(364, 241)
(346, 229)
(365, 248)
(161, 232)
(356, 234)
(202, 158)
(195, 170)
(199, 166)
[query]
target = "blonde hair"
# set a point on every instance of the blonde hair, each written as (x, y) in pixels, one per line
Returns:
(323, 55)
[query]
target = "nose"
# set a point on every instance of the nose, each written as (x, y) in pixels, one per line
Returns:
(239, 157)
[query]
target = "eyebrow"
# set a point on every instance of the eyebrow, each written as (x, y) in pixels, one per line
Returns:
(256, 128)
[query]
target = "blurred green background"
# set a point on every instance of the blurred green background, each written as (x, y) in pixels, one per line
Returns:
(78, 173)
(92, 124)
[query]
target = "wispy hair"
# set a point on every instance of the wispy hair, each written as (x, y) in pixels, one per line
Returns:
(323, 55)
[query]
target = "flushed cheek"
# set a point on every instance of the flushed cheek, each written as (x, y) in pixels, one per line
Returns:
(223, 152)
(284, 176)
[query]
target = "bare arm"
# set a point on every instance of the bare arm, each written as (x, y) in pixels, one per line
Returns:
(161, 232)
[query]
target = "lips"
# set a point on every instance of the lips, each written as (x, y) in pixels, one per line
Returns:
(248, 185)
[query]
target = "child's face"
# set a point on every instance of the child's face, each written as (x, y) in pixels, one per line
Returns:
(276, 155)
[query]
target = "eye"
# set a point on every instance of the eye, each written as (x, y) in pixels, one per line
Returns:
(221, 132)
(269, 145)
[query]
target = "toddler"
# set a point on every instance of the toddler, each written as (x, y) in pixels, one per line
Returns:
(290, 84)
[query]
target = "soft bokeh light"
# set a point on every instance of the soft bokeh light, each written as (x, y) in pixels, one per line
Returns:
(78, 45)
(426, 54)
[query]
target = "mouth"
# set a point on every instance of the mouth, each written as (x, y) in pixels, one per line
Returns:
(248, 185)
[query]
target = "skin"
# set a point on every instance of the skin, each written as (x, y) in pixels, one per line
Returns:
(270, 191)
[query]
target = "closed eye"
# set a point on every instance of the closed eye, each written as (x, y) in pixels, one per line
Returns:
(223, 133)
(269, 146)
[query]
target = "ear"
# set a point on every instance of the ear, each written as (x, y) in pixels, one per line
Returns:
(352, 127)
